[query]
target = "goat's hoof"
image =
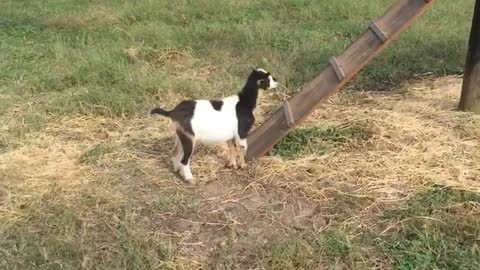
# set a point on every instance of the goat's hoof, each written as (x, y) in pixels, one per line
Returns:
(243, 166)
(188, 180)
(176, 166)
(232, 165)
(187, 177)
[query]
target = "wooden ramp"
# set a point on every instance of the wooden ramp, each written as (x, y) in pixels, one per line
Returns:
(342, 69)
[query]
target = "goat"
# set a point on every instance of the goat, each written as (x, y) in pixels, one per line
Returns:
(212, 122)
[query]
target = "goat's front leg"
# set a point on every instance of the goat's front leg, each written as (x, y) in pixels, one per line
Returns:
(232, 162)
(242, 143)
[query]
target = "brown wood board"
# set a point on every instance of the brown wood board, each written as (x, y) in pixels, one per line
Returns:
(470, 97)
(396, 19)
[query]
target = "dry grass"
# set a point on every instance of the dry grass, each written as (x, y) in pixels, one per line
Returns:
(417, 139)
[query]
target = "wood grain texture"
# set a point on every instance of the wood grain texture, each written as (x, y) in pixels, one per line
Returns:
(396, 19)
(470, 97)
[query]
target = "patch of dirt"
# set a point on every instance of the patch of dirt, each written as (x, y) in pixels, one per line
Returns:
(229, 211)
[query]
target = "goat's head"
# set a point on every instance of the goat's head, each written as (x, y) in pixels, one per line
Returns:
(263, 79)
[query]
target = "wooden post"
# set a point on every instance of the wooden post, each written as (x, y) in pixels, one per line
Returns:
(470, 98)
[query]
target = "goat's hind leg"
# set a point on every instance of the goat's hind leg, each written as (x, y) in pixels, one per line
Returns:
(187, 146)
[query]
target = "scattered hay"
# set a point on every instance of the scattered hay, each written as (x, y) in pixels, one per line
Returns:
(132, 53)
(415, 138)
(179, 63)
(418, 138)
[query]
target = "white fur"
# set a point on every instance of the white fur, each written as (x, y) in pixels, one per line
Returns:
(186, 173)
(273, 84)
(261, 70)
(214, 127)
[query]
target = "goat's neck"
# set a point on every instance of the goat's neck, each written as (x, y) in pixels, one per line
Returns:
(248, 96)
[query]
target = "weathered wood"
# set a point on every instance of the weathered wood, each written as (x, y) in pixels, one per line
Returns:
(288, 113)
(337, 68)
(470, 98)
(379, 32)
(396, 19)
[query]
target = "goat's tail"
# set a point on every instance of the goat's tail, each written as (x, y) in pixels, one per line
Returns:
(160, 111)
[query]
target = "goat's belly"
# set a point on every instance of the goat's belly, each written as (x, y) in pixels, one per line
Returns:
(210, 137)
(214, 131)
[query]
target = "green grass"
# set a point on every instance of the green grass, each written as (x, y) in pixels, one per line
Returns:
(319, 140)
(306, 252)
(439, 229)
(67, 56)
(52, 235)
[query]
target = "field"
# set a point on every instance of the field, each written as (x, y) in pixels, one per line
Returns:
(383, 176)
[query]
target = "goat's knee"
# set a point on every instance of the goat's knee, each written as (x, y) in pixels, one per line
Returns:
(242, 143)
(232, 151)
(176, 163)
(177, 155)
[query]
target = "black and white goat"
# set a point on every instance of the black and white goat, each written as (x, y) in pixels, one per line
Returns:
(216, 121)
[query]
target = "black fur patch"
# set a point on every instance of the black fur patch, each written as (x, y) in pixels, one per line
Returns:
(245, 120)
(187, 146)
(183, 113)
(264, 84)
(217, 104)
(247, 102)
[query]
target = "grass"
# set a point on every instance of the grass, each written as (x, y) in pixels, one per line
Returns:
(92, 155)
(424, 234)
(177, 202)
(319, 140)
(56, 237)
(309, 252)
(439, 230)
(86, 179)
(68, 57)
